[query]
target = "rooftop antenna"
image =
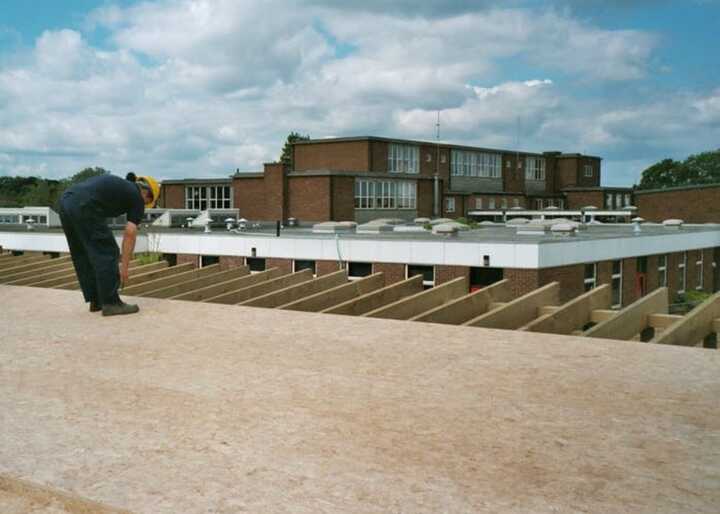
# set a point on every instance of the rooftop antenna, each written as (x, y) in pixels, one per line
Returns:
(517, 143)
(436, 179)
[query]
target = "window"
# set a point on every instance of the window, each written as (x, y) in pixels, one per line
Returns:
(255, 264)
(385, 194)
(403, 158)
(618, 200)
(491, 203)
(475, 164)
(508, 164)
(516, 202)
(538, 203)
(590, 279)
(662, 270)
(300, 265)
(608, 201)
(443, 158)
(478, 203)
(427, 272)
(628, 201)
(588, 170)
(682, 271)
(699, 265)
(503, 203)
(534, 168)
(450, 204)
(358, 270)
(202, 198)
(9, 219)
(617, 281)
(209, 260)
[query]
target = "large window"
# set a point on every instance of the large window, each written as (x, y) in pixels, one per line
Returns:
(403, 158)
(682, 272)
(534, 168)
(385, 194)
(475, 164)
(662, 270)
(450, 204)
(427, 272)
(617, 280)
(590, 279)
(588, 170)
(208, 197)
(357, 270)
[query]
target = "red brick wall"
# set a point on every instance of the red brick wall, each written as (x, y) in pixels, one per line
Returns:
(378, 156)
(513, 178)
(326, 267)
(276, 196)
(446, 273)
(580, 199)
(565, 173)
(249, 198)
(582, 180)
(172, 196)
(309, 198)
(231, 261)
(285, 265)
(392, 272)
(569, 277)
(343, 198)
(700, 205)
(427, 168)
(341, 156)
(183, 258)
(629, 281)
(425, 198)
(522, 281)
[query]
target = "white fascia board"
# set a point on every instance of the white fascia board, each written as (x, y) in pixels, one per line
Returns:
(576, 252)
(55, 242)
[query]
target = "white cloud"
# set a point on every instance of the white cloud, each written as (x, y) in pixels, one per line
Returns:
(201, 87)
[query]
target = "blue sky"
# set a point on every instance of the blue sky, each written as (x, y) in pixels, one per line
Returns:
(182, 88)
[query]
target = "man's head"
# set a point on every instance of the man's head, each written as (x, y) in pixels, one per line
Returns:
(149, 189)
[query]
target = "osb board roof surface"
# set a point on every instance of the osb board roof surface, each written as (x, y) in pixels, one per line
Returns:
(195, 408)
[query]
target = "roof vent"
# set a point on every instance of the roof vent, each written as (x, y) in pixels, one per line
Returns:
(589, 208)
(631, 208)
(532, 229)
(445, 229)
(374, 228)
(552, 208)
(517, 208)
(438, 221)
(409, 228)
(421, 221)
(333, 227)
(517, 221)
(673, 224)
(564, 229)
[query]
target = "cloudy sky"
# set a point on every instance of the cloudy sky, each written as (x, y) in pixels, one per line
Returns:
(198, 88)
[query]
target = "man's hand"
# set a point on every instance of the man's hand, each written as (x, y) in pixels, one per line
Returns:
(123, 275)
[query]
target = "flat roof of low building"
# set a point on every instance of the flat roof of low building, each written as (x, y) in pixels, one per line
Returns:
(212, 408)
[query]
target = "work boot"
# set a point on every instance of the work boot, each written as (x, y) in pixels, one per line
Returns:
(118, 309)
(95, 307)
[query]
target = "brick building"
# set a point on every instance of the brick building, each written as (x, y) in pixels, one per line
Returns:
(692, 204)
(363, 178)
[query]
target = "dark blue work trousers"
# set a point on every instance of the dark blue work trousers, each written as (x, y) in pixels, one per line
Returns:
(94, 252)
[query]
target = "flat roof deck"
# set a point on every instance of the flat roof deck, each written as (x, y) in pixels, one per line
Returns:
(195, 408)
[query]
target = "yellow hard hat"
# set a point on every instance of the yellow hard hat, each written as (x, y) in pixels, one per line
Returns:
(154, 187)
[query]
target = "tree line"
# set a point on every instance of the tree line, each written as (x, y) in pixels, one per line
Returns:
(699, 169)
(40, 192)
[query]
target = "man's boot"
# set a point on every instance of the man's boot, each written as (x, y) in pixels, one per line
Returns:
(118, 309)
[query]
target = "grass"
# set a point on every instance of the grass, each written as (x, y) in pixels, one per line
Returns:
(148, 258)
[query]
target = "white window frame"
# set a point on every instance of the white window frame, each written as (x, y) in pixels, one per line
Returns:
(403, 158)
(216, 196)
(428, 283)
(627, 199)
(503, 203)
(516, 202)
(385, 194)
(479, 203)
(465, 163)
(619, 277)
(609, 201)
(662, 270)
(682, 269)
(699, 265)
(538, 204)
(534, 168)
(450, 204)
(590, 281)
(588, 170)
(491, 203)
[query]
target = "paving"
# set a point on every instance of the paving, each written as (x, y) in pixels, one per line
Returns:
(204, 408)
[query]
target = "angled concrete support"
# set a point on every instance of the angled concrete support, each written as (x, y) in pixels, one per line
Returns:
(211, 291)
(297, 291)
(198, 283)
(369, 301)
(31, 276)
(31, 266)
(337, 295)
(633, 319)
(694, 327)
(62, 271)
(520, 311)
(573, 315)
(171, 280)
(22, 260)
(70, 280)
(456, 312)
(663, 321)
(240, 295)
(423, 301)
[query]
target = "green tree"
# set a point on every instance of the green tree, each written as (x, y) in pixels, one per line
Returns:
(703, 168)
(87, 173)
(287, 154)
